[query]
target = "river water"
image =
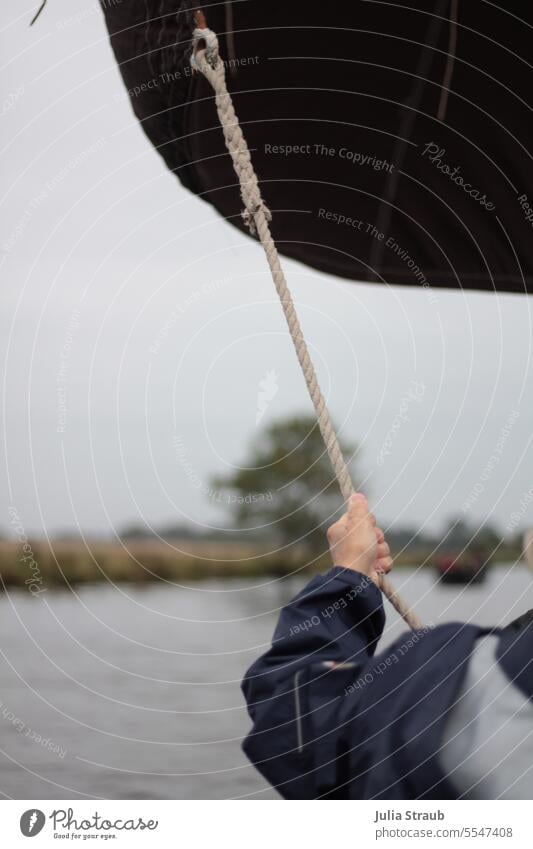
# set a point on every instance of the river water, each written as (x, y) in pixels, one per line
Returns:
(130, 692)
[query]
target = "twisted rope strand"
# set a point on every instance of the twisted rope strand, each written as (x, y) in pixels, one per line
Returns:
(257, 217)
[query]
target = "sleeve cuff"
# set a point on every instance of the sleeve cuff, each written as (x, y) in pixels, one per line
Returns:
(355, 579)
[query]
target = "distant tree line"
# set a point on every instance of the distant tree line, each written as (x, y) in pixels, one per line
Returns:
(284, 492)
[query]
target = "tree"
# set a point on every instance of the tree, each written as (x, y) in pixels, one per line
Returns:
(286, 487)
(461, 534)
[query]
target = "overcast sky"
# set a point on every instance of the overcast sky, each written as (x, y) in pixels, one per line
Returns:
(136, 327)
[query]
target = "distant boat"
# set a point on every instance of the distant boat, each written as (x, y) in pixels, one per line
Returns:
(465, 567)
(528, 549)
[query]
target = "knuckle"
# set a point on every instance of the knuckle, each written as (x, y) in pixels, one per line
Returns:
(332, 531)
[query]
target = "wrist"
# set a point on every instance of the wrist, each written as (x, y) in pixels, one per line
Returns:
(354, 565)
(353, 577)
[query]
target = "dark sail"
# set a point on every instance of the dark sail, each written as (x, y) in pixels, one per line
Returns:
(372, 171)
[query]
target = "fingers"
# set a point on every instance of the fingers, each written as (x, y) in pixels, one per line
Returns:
(336, 529)
(358, 509)
(383, 550)
(383, 565)
(357, 541)
(357, 505)
(356, 513)
(383, 559)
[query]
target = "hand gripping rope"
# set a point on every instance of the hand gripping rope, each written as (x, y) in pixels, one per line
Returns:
(206, 59)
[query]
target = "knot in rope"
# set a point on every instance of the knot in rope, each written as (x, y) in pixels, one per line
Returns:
(210, 51)
(206, 59)
(248, 216)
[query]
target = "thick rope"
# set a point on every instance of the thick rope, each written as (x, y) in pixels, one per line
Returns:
(205, 58)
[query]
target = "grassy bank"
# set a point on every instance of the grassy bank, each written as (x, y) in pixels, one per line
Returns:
(58, 563)
(51, 564)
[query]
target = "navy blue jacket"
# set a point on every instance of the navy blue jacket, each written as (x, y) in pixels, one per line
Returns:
(332, 719)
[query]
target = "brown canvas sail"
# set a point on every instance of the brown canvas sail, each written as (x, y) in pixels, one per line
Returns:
(392, 142)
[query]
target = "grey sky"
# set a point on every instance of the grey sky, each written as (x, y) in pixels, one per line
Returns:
(136, 327)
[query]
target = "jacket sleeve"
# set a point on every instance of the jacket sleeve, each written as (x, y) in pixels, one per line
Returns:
(324, 636)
